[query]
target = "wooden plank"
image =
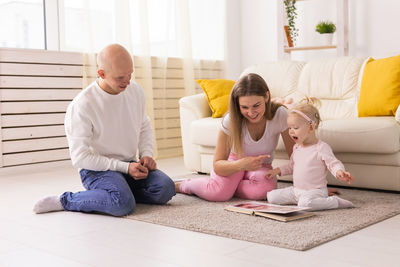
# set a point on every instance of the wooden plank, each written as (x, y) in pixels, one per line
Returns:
(32, 132)
(167, 133)
(159, 73)
(166, 103)
(156, 62)
(32, 120)
(34, 144)
(168, 93)
(40, 70)
(39, 82)
(162, 73)
(167, 123)
(170, 152)
(40, 56)
(34, 107)
(35, 157)
(162, 83)
(169, 142)
(38, 94)
(209, 74)
(166, 113)
(303, 48)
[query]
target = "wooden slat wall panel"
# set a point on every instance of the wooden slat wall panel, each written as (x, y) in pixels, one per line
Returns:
(40, 56)
(38, 94)
(22, 69)
(32, 132)
(39, 82)
(35, 157)
(36, 87)
(32, 120)
(166, 113)
(34, 144)
(167, 123)
(34, 107)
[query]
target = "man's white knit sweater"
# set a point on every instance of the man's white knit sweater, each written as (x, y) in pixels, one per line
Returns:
(105, 131)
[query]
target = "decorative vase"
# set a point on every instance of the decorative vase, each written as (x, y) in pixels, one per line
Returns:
(326, 38)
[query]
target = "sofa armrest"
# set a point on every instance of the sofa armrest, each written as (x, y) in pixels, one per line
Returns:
(197, 105)
(192, 108)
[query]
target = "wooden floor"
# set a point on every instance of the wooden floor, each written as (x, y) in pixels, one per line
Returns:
(75, 239)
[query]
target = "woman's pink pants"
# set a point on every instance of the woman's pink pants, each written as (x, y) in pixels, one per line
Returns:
(243, 184)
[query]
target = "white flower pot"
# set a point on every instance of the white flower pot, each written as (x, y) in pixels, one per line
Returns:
(326, 38)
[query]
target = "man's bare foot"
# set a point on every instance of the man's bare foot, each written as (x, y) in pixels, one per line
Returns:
(333, 192)
(177, 185)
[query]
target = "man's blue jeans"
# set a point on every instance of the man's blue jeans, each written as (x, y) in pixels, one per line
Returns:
(117, 193)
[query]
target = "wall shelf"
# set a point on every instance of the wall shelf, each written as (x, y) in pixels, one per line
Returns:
(302, 48)
(342, 34)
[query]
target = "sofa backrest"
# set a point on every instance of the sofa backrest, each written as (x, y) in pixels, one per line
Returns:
(334, 82)
(282, 77)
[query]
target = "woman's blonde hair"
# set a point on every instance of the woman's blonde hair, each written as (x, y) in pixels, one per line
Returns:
(309, 106)
(249, 85)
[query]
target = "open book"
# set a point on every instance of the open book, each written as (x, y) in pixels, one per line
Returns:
(272, 211)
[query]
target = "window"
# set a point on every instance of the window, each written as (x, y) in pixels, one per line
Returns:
(156, 27)
(86, 25)
(22, 24)
(152, 26)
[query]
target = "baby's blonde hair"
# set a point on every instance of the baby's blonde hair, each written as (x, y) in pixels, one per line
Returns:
(309, 106)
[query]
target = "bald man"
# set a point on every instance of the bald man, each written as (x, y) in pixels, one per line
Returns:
(106, 125)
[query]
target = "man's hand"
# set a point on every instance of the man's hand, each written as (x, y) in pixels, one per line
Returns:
(137, 171)
(149, 163)
(344, 176)
(272, 173)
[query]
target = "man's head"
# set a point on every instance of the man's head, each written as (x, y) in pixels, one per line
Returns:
(115, 68)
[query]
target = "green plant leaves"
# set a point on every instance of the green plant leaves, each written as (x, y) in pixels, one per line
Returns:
(325, 27)
(290, 7)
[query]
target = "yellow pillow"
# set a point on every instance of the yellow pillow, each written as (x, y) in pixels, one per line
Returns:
(380, 87)
(217, 92)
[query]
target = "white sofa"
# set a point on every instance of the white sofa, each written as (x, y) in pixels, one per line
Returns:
(369, 147)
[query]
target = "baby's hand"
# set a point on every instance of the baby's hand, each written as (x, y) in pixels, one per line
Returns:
(272, 173)
(344, 176)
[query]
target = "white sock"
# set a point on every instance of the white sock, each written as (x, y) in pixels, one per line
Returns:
(343, 203)
(47, 204)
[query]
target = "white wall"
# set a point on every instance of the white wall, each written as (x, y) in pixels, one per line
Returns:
(373, 29)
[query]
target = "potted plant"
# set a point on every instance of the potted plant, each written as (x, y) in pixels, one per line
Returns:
(326, 29)
(290, 29)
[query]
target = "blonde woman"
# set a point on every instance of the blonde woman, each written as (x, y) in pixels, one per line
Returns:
(245, 146)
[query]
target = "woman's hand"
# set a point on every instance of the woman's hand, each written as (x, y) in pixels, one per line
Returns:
(253, 163)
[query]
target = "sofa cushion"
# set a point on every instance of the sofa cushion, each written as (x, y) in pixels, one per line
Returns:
(363, 135)
(281, 77)
(380, 87)
(217, 92)
(334, 82)
(205, 131)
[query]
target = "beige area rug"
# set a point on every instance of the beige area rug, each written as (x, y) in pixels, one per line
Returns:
(192, 213)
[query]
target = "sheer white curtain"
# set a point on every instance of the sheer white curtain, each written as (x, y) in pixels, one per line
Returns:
(154, 31)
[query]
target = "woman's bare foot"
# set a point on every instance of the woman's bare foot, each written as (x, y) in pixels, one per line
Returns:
(333, 192)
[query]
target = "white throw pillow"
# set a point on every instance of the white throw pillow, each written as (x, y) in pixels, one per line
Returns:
(398, 114)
